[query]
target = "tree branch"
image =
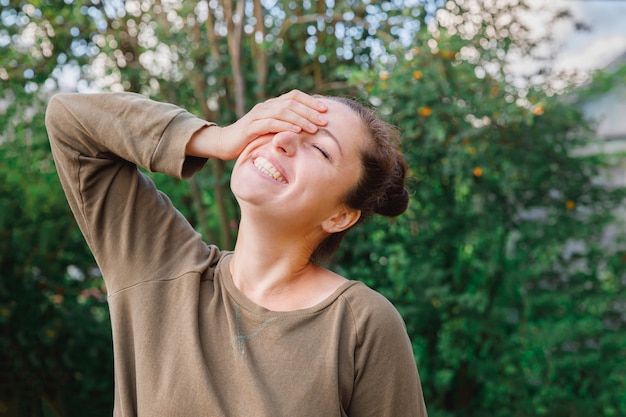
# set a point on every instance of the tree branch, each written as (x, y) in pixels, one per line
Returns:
(259, 52)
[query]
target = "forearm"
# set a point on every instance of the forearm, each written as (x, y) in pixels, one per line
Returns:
(204, 143)
(146, 133)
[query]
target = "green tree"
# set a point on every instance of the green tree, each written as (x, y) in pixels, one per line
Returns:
(498, 267)
(54, 331)
(214, 58)
(512, 303)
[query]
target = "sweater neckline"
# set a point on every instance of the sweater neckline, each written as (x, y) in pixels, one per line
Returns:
(224, 276)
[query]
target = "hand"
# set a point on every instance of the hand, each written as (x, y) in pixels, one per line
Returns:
(294, 111)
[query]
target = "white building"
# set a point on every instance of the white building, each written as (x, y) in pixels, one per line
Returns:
(608, 111)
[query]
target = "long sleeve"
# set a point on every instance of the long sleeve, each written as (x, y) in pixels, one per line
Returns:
(97, 141)
(386, 378)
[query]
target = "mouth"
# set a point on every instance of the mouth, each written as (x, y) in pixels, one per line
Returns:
(267, 168)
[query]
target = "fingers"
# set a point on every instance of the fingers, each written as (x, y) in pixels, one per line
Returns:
(294, 111)
(306, 99)
(300, 110)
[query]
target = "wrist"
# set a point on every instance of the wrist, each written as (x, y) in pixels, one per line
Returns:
(204, 143)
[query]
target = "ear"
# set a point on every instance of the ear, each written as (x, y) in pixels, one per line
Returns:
(343, 219)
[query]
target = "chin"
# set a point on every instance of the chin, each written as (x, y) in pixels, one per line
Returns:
(247, 191)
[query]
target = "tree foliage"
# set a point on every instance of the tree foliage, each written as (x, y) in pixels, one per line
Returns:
(55, 334)
(501, 267)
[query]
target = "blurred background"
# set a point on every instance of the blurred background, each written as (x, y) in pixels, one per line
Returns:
(509, 267)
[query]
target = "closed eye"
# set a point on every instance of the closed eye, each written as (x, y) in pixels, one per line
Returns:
(322, 151)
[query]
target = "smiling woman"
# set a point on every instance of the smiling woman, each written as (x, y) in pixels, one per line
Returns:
(262, 330)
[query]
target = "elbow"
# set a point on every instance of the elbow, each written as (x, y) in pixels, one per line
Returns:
(56, 111)
(53, 109)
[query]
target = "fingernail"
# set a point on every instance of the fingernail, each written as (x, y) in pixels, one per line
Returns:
(322, 106)
(311, 128)
(322, 120)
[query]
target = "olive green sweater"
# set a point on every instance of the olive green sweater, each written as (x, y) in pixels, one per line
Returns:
(186, 342)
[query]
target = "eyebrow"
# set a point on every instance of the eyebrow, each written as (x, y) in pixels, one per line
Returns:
(328, 133)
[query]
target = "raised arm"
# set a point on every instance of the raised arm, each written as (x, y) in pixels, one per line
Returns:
(98, 140)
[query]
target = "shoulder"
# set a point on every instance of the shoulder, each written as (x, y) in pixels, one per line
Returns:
(363, 300)
(372, 313)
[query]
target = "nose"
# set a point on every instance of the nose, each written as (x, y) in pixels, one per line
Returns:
(286, 142)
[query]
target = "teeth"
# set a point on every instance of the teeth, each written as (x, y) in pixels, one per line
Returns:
(267, 168)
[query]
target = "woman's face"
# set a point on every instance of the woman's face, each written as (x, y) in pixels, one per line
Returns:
(302, 178)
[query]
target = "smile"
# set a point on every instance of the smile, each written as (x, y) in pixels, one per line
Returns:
(268, 169)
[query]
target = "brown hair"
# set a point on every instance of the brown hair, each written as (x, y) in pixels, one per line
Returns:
(380, 190)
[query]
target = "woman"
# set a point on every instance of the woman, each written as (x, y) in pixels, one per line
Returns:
(262, 330)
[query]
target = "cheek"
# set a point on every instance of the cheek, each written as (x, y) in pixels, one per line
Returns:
(236, 169)
(333, 189)
(237, 177)
(237, 165)
(348, 178)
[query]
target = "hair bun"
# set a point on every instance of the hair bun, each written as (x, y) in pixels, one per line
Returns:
(395, 203)
(396, 198)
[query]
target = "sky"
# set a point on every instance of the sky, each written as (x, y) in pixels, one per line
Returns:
(586, 51)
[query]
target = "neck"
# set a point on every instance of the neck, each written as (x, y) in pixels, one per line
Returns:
(271, 260)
